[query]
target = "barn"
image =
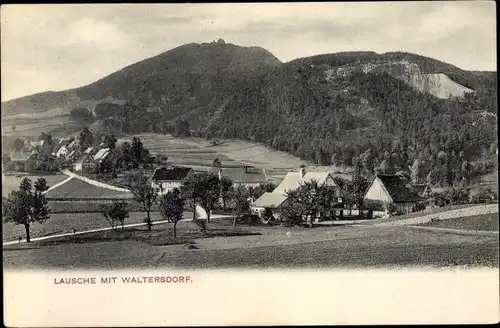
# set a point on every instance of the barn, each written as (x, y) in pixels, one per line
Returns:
(391, 189)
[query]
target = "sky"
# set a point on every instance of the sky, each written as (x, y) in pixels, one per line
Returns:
(58, 47)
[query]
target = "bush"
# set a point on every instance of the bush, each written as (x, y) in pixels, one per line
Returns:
(390, 208)
(482, 195)
(201, 223)
(250, 219)
(420, 207)
(291, 220)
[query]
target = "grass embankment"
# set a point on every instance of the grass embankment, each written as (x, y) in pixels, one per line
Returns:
(434, 210)
(486, 222)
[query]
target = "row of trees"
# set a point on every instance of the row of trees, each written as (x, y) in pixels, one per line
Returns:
(204, 189)
(131, 118)
(28, 204)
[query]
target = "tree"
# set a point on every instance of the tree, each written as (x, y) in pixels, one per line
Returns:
(430, 178)
(86, 139)
(104, 110)
(17, 144)
(26, 205)
(241, 205)
(334, 160)
(256, 192)
(416, 171)
(82, 115)
(357, 178)
(202, 188)
(216, 163)
(226, 185)
(144, 194)
(368, 161)
(384, 167)
(137, 151)
(115, 212)
(110, 141)
(182, 128)
(124, 155)
(172, 207)
(309, 199)
(46, 138)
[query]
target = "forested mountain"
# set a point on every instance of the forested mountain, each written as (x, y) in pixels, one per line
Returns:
(339, 108)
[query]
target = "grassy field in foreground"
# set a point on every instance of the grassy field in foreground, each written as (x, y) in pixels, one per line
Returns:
(367, 247)
(64, 223)
(486, 222)
(160, 235)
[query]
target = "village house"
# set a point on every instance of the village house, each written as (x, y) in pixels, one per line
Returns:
(391, 189)
(275, 201)
(72, 144)
(101, 155)
(20, 159)
(91, 151)
(84, 163)
(165, 179)
(30, 145)
(62, 152)
(73, 155)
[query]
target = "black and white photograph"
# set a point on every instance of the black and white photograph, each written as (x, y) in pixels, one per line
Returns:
(249, 136)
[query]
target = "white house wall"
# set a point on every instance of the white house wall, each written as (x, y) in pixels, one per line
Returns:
(166, 186)
(377, 192)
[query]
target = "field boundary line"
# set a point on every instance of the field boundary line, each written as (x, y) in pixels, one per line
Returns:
(457, 231)
(57, 185)
(447, 215)
(94, 182)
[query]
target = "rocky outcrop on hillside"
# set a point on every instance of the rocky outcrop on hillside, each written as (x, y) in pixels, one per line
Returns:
(439, 85)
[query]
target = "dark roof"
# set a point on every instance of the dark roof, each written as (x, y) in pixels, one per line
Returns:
(175, 173)
(248, 174)
(398, 188)
(362, 188)
(244, 175)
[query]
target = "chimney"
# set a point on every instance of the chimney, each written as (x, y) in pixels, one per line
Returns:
(246, 169)
(302, 171)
